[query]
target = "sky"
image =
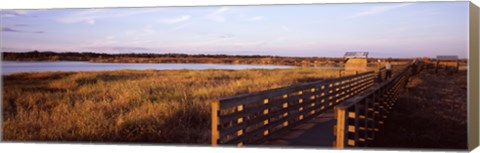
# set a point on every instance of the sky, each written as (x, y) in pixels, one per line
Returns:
(422, 29)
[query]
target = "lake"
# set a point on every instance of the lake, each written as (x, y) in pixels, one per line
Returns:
(9, 67)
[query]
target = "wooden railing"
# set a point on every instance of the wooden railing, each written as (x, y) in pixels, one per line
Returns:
(256, 117)
(360, 118)
(452, 65)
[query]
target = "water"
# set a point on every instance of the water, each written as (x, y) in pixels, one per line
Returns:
(9, 67)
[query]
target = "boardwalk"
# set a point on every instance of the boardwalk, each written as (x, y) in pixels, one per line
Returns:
(252, 118)
(341, 112)
(317, 132)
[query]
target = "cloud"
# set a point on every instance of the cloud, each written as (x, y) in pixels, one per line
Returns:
(148, 29)
(106, 41)
(255, 18)
(10, 29)
(177, 19)
(227, 36)
(85, 16)
(119, 49)
(221, 10)
(20, 25)
(285, 28)
(90, 21)
(250, 44)
(14, 13)
(378, 10)
(9, 48)
(218, 15)
(7, 29)
(90, 16)
(279, 39)
(179, 27)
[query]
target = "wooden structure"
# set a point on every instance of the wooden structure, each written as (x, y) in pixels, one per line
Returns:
(357, 61)
(360, 118)
(361, 102)
(448, 62)
(255, 117)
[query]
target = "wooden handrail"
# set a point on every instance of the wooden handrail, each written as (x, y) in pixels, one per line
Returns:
(253, 118)
(360, 118)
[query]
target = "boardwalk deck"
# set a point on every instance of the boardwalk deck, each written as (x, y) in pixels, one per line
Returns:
(317, 132)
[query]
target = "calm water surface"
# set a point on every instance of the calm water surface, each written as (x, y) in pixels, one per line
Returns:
(9, 67)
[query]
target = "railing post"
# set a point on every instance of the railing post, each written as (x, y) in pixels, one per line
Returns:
(446, 66)
(267, 121)
(356, 124)
(457, 66)
(215, 120)
(372, 116)
(240, 120)
(379, 76)
(368, 120)
(341, 128)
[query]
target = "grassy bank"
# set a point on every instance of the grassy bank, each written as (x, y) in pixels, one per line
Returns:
(168, 106)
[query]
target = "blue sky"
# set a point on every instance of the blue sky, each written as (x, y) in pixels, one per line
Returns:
(328, 30)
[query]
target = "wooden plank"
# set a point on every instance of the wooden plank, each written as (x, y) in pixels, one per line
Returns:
(250, 134)
(282, 130)
(274, 103)
(262, 117)
(244, 99)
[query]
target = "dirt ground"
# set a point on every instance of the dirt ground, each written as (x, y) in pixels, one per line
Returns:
(432, 113)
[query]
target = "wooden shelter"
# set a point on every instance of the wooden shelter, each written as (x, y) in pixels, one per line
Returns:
(357, 61)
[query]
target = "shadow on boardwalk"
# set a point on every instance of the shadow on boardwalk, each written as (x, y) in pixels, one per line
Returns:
(432, 113)
(315, 133)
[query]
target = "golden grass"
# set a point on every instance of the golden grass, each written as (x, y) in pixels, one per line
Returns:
(167, 106)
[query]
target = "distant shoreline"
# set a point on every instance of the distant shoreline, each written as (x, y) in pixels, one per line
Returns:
(176, 58)
(11, 67)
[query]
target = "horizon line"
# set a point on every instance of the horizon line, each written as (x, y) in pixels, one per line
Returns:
(216, 54)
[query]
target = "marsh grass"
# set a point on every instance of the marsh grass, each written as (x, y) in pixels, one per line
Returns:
(167, 106)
